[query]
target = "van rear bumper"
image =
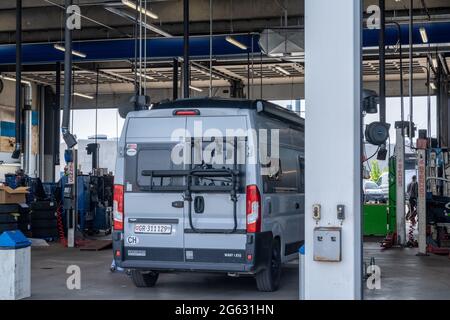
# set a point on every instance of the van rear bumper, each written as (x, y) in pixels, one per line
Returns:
(188, 266)
(254, 258)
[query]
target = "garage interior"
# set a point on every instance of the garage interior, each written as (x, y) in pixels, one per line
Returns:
(244, 49)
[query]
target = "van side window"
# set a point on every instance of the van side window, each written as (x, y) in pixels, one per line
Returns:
(287, 180)
(301, 162)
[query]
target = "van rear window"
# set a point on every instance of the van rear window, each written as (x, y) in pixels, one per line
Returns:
(157, 159)
(210, 169)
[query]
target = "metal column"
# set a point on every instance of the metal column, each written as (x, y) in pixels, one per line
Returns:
(18, 135)
(400, 174)
(27, 157)
(333, 280)
(186, 63)
(57, 119)
(382, 50)
(175, 79)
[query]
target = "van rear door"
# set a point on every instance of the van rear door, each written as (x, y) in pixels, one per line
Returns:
(215, 219)
(153, 215)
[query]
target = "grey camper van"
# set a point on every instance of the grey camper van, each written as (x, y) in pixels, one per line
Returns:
(193, 191)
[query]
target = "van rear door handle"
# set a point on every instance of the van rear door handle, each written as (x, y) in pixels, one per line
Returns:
(178, 204)
(297, 205)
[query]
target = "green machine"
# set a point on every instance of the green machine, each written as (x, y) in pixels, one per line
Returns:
(379, 219)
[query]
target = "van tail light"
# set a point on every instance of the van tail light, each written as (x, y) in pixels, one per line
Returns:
(118, 207)
(253, 205)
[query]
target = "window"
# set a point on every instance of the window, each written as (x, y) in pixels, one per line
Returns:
(219, 154)
(157, 159)
(287, 179)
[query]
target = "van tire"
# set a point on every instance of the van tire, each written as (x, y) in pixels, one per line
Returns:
(268, 280)
(143, 279)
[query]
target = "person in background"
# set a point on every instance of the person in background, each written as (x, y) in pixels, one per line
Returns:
(413, 192)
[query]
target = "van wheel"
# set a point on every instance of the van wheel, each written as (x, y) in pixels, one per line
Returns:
(268, 280)
(142, 279)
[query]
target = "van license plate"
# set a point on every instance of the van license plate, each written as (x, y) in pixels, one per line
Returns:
(153, 228)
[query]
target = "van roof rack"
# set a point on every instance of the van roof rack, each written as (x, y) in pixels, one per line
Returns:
(261, 106)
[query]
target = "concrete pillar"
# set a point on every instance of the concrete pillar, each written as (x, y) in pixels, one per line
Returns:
(333, 132)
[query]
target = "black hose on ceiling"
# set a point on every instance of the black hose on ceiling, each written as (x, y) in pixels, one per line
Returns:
(67, 136)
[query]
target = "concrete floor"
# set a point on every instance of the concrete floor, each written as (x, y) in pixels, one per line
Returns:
(404, 276)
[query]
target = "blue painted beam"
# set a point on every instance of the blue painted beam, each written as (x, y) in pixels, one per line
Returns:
(438, 33)
(123, 49)
(163, 48)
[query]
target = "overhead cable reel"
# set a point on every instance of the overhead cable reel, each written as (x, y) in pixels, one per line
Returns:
(377, 132)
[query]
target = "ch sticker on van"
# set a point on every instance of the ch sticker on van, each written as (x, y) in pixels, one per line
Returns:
(132, 240)
(131, 149)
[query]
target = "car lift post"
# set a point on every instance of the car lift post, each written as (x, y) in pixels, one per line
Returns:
(400, 183)
(421, 202)
(70, 196)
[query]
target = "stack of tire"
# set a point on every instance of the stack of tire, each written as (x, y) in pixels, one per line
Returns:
(43, 220)
(8, 217)
(24, 220)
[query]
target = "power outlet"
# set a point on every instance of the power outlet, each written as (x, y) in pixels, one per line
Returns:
(316, 212)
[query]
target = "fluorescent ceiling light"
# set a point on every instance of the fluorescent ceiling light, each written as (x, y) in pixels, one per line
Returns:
(435, 63)
(297, 54)
(83, 95)
(433, 86)
(423, 34)
(14, 80)
(133, 5)
(279, 54)
(149, 26)
(144, 76)
(74, 52)
(196, 89)
(235, 42)
(283, 70)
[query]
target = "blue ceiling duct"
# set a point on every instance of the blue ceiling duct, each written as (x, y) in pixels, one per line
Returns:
(123, 49)
(167, 48)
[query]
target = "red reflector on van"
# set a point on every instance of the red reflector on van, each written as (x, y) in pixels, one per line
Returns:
(118, 207)
(193, 112)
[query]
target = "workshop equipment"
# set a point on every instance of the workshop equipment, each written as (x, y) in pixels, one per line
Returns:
(15, 266)
(94, 203)
(8, 217)
(391, 218)
(376, 220)
(433, 197)
(43, 220)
